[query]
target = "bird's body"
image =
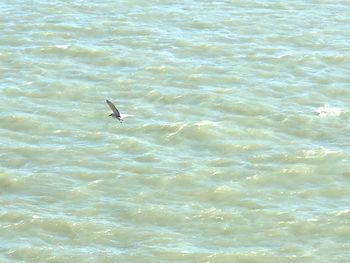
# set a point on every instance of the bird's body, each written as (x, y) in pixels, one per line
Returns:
(115, 113)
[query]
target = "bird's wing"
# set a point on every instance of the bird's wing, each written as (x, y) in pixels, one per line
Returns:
(113, 108)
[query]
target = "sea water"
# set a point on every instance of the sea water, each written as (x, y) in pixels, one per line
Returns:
(225, 158)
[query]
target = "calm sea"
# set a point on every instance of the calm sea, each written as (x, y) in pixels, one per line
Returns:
(224, 160)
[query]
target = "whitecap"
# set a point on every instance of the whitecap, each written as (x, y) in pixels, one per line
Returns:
(205, 122)
(179, 125)
(62, 46)
(327, 110)
(123, 116)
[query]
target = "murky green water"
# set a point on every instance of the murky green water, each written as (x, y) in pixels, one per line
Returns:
(224, 159)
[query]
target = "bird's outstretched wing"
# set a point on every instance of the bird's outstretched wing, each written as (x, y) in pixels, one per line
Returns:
(113, 108)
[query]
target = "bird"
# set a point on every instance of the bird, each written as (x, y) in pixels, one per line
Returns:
(115, 113)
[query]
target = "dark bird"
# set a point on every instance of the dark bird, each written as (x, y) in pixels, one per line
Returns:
(115, 113)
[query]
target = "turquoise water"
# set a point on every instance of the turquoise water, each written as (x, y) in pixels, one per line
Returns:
(224, 160)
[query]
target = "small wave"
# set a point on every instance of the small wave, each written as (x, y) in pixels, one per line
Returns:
(206, 123)
(179, 127)
(318, 153)
(62, 46)
(123, 116)
(345, 212)
(327, 110)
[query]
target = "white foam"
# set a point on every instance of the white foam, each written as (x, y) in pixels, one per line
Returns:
(62, 46)
(123, 116)
(327, 110)
(205, 122)
(343, 212)
(179, 125)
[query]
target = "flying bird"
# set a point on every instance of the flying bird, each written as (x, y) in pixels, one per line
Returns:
(115, 113)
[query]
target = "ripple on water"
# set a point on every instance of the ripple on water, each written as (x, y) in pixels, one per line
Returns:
(10, 182)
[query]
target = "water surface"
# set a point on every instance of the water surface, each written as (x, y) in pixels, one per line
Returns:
(225, 159)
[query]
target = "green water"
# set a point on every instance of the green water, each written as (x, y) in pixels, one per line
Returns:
(224, 159)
